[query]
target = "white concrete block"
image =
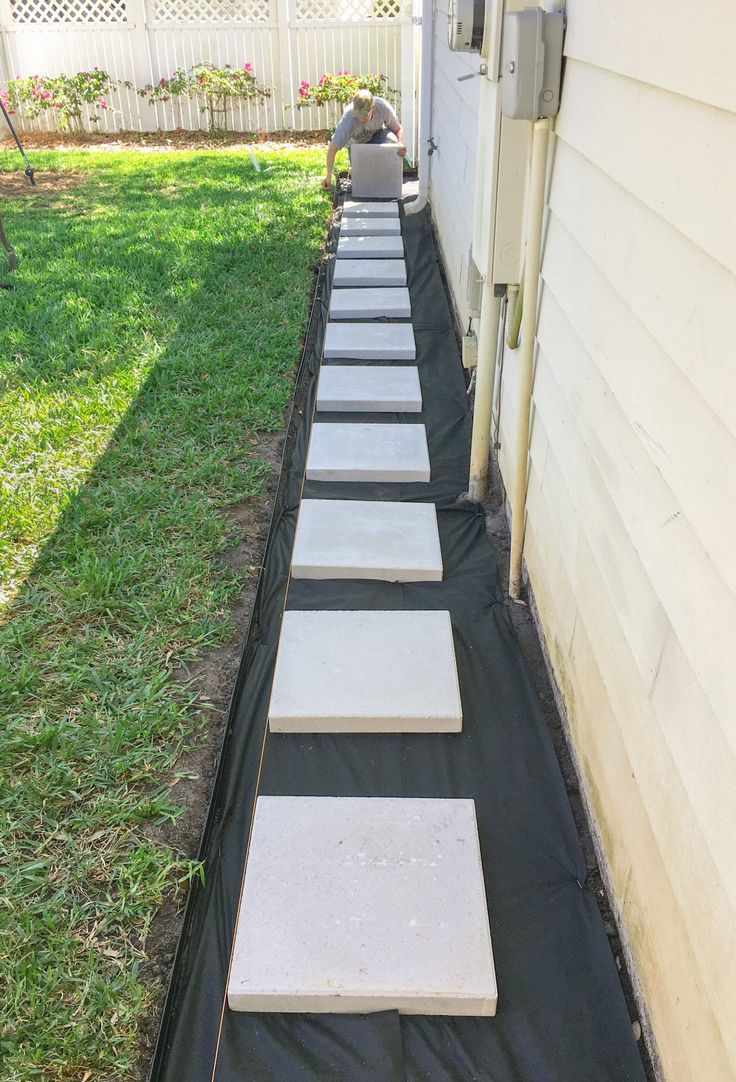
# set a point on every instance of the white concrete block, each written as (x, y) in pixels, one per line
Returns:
(370, 303)
(370, 342)
(368, 452)
(370, 227)
(365, 672)
(376, 171)
(366, 539)
(370, 248)
(362, 904)
(366, 209)
(375, 389)
(369, 272)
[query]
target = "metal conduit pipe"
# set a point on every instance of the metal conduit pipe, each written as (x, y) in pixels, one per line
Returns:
(485, 377)
(425, 108)
(537, 179)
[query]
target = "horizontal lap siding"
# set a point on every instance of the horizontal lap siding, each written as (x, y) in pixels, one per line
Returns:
(631, 502)
(454, 130)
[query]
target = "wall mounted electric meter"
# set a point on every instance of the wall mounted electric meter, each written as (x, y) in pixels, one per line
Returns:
(465, 20)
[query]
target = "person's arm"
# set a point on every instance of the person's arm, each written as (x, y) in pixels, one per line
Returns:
(400, 136)
(331, 152)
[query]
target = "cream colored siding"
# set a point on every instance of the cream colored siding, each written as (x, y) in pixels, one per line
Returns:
(454, 130)
(632, 499)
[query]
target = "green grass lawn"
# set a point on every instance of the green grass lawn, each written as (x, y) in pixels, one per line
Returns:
(153, 330)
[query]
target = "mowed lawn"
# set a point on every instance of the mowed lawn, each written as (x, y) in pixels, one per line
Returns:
(153, 331)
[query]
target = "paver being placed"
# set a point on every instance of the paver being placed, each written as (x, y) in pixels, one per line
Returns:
(369, 272)
(371, 303)
(370, 248)
(363, 904)
(368, 452)
(375, 389)
(365, 672)
(370, 227)
(370, 342)
(369, 209)
(376, 171)
(367, 539)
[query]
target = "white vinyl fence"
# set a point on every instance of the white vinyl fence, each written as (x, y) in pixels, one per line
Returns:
(142, 41)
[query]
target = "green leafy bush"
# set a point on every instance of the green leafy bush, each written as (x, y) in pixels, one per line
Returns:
(64, 95)
(217, 86)
(342, 88)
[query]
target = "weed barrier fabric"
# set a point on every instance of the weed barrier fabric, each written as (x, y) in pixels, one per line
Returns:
(561, 1013)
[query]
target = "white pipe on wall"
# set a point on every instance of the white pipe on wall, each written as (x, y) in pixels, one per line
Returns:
(482, 407)
(537, 180)
(425, 107)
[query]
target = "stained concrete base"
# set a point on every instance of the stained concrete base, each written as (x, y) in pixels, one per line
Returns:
(378, 389)
(368, 452)
(366, 539)
(371, 303)
(362, 904)
(365, 672)
(370, 342)
(369, 272)
(367, 209)
(370, 227)
(370, 248)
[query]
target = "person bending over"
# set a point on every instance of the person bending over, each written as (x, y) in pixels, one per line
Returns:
(366, 119)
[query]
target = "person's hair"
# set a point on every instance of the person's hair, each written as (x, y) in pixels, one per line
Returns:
(362, 104)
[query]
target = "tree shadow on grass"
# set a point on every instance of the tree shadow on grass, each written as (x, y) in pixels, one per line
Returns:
(127, 586)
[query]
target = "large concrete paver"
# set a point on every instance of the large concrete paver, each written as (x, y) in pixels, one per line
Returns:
(368, 452)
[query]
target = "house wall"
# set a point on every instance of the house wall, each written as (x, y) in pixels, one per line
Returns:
(454, 130)
(631, 499)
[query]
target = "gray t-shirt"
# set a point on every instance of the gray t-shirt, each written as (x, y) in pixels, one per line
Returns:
(350, 129)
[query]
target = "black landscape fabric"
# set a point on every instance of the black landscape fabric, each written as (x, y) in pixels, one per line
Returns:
(561, 1011)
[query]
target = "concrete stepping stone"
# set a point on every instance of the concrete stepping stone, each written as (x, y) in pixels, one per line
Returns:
(376, 171)
(371, 303)
(370, 248)
(366, 539)
(369, 209)
(378, 389)
(370, 342)
(363, 904)
(368, 452)
(370, 227)
(369, 272)
(365, 672)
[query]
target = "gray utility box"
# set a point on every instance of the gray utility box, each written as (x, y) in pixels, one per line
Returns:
(531, 63)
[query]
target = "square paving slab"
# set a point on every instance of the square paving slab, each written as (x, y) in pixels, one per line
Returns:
(370, 227)
(365, 672)
(376, 171)
(370, 303)
(370, 248)
(362, 904)
(368, 209)
(368, 452)
(366, 539)
(370, 342)
(378, 389)
(369, 272)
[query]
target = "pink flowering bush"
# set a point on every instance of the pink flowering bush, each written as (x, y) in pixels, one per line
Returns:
(216, 86)
(342, 88)
(64, 95)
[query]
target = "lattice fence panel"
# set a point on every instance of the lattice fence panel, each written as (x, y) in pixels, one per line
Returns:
(211, 11)
(348, 10)
(68, 11)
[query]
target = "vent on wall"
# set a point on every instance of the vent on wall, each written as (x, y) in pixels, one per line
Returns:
(465, 23)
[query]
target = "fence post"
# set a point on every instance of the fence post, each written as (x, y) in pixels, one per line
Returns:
(141, 71)
(285, 14)
(6, 22)
(411, 10)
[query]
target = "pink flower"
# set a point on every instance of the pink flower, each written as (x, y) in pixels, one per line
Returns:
(249, 67)
(162, 82)
(303, 92)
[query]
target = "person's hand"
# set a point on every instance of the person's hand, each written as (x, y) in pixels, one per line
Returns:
(327, 182)
(401, 151)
